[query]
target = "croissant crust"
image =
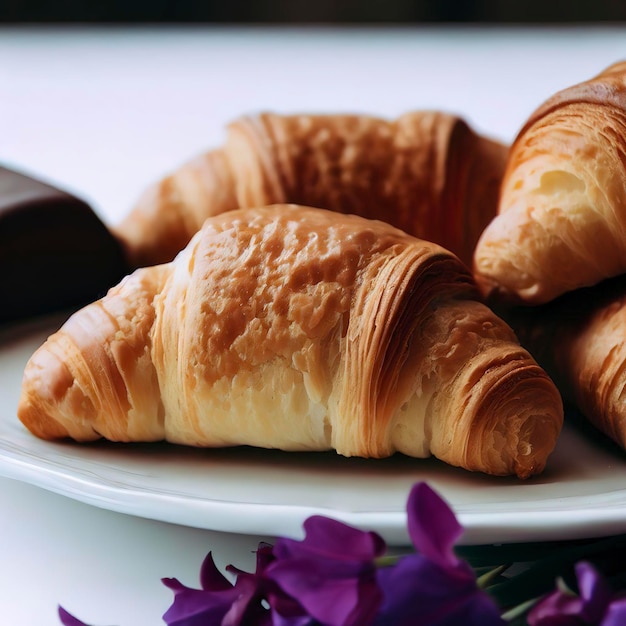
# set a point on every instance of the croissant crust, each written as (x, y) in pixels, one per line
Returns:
(299, 329)
(561, 224)
(427, 173)
(579, 338)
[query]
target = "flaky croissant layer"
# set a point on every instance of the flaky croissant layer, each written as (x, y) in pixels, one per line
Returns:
(559, 242)
(580, 339)
(426, 172)
(561, 223)
(300, 329)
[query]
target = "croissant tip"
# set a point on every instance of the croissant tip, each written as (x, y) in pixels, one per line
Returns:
(525, 471)
(39, 422)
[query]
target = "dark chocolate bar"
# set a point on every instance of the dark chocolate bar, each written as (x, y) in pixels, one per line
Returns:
(55, 252)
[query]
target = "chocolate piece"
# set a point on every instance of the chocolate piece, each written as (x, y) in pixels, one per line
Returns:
(55, 252)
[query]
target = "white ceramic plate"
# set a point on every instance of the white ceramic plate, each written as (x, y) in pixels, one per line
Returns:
(582, 493)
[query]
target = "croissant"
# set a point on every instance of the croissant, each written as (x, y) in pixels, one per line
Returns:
(580, 339)
(427, 173)
(561, 223)
(300, 329)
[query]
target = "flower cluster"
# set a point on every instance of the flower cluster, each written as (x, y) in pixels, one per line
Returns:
(596, 603)
(338, 575)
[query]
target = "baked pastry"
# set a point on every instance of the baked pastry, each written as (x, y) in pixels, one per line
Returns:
(559, 243)
(580, 339)
(561, 222)
(55, 252)
(427, 173)
(300, 329)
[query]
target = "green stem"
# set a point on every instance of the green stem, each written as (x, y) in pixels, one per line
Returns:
(488, 577)
(519, 610)
(387, 560)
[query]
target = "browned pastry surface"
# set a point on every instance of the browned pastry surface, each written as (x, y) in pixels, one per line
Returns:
(580, 338)
(300, 329)
(561, 222)
(427, 173)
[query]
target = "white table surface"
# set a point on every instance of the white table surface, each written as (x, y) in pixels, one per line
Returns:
(105, 112)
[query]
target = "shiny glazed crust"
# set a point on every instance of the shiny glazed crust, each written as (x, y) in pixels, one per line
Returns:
(300, 329)
(427, 173)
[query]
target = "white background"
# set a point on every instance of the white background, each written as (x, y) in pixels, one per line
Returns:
(105, 112)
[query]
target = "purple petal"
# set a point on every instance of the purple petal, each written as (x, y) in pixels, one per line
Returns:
(479, 610)
(329, 538)
(559, 620)
(594, 591)
(195, 607)
(244, 610)
(284, 605)
(279, 620)
(211, 579)
(615, 614)
(432, 525)
(334, 594)
(68, 619)
(416, 588)
(556, 609)
(331, 572)
(564, 608)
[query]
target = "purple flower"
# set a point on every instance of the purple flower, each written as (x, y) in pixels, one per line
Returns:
(595, 605)
(434, 586)
(331, 573)
(615, 613)
(68, 619)
(219, 601)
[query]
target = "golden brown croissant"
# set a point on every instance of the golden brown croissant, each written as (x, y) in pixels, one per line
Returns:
(562, 217)
(580, 338)
(299, 329)
(427, 173)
